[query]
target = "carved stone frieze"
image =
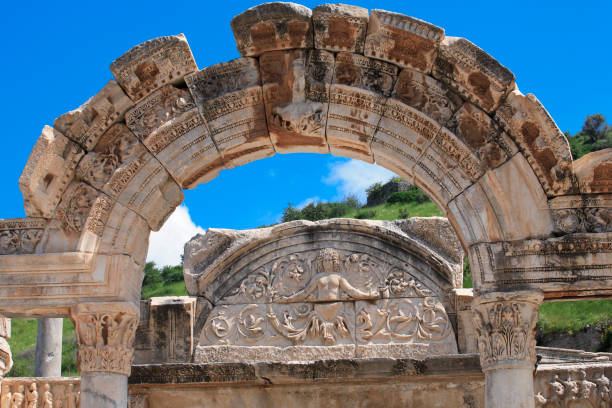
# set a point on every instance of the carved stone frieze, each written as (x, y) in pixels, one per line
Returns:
(40, 393)
(339, 27)
(505, 326)
(105, 334)
(272, 26)
(86, 124)
(49, 170)
(576, 214)
(73, 210)
(402, 40)
(21, 235)
(152, 64)
(583, 386)
(326, 304)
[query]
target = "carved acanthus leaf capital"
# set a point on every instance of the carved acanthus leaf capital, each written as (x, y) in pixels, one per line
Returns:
(505, 325)
(105, 333)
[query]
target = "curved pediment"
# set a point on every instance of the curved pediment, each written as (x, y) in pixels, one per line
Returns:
(331, 289)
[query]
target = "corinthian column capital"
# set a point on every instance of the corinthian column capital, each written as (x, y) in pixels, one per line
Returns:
(105, 333)
(505, 325)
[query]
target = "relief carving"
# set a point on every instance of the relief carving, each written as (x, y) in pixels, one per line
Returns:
(40, 393)
(20, 236)
(105, 333)
(588, 219)
(315, 300)
(505, 325)
(577, 389)
(75, 206)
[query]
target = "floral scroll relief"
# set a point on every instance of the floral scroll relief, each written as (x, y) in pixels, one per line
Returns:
(312, 301)
(403, 319)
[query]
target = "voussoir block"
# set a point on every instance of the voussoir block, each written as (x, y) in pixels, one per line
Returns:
(594, 172)
(359, 91)
(475, 74)
(539, 138)
(296, 95)
(339, 27)
(169, 124)
(272, 26)
(86, 124)
(402, 40)
(152, 64)
(48, 171)
(229, 97)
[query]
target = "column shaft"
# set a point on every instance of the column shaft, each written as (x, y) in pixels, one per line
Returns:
(48, 359)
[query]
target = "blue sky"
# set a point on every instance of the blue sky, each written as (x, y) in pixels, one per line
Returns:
(56, 55)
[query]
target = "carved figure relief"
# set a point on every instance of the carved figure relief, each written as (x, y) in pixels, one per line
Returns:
(325, 299)
(34, 393)
(577, 390)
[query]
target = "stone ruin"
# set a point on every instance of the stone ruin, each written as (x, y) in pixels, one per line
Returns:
(376, 86)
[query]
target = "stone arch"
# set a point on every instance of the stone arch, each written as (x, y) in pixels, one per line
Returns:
(379, 86)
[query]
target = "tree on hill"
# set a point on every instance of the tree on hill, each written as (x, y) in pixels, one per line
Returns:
(595, 135)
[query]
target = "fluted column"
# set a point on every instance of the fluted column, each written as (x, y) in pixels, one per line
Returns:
(505, 325)
(105, 334)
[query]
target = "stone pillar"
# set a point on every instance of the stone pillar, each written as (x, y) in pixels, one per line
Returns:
(6, 360)
(48, 359)
(505, 327)
(105, 333)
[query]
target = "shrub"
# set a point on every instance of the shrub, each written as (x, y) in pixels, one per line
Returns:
(411, 196)
(403, 213)
(365, 214)
(351, 201)
(375, 192)
(291, 214)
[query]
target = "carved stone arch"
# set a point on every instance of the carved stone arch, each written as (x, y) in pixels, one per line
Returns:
(380, 87)
(332, 289)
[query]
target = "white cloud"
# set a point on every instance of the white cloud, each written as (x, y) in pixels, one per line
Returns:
(166, 245)
(307, 201)
(354, 176)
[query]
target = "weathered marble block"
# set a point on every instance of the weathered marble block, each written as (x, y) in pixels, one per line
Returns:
(575, 214)
(86, 124)
(476, 75)
(541, 141)
(152, 64)
(21, 236)
(165, 332)
(402, 136)
(230, 97)
(594, 172)
(402, 40)
(124, 169)
(339, 27)
(48, 171)
(171, 127)
(296, 95)
(358, 95)
(477, 131)
(272, 26)
(427, 95)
